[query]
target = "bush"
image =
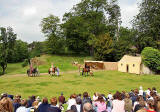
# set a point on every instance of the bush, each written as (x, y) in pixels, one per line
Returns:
(151, 58)
(25, 63)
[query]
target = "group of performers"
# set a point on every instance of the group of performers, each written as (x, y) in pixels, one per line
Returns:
(35, 72)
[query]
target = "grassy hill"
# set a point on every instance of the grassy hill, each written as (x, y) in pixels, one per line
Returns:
(63, 62)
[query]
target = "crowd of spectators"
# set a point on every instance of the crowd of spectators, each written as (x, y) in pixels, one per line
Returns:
(136, 100)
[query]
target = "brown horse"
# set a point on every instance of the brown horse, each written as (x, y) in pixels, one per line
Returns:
(87, 70)
(52, 71)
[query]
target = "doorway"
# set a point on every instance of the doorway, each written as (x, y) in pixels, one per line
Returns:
(127, 68)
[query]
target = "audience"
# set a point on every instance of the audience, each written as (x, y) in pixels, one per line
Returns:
(136, 100)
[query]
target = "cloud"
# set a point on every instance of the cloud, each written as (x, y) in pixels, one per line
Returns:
(24, 16)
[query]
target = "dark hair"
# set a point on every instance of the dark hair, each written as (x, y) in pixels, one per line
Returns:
(100, 99)
(24, 102)
(45, 100)
(151, 104)
(85, 94)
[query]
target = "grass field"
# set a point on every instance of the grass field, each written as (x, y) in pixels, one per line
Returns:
(70, 81)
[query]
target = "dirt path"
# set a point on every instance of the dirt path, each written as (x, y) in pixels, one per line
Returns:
(67, 72)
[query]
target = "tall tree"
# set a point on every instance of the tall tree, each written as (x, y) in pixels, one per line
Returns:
(50, 26)
(7, 40)
(84, 22)
(114, 20)
(147, 24)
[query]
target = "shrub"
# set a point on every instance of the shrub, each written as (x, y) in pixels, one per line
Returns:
(25, 63)
(151, 58)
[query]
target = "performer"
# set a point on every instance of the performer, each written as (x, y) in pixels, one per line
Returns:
(57, 71)
(31, 67)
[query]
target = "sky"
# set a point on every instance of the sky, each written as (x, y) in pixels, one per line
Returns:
(24, 16)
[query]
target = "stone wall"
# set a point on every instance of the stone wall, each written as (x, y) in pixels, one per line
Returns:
(110, 65)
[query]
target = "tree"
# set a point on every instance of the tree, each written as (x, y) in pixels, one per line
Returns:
(151, 58)
(50, 26)
(20, 52)
(147, 23)
(114, 19)
(7, 40)
(102, 46)
(84, 22)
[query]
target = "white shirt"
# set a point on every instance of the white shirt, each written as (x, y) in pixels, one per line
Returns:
(141, 92)
(95, 98)
(70, 103)
(23, 109)
(110, 96)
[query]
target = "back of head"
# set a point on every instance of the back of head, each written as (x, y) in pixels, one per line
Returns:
(7, 104)
(100, 98)
(24, 102)
(53, 101)
(142, 110)
(151, 104)
(87, 107)
(45, 101)
(85, 94)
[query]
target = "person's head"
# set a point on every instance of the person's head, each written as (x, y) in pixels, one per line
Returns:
(61, 93)
(35, 104)
(53, 101)
(18, 96)
(78, 101)
(73, 96)
(154, 89)
(87, 107)
(150, 104)
(85, 95)
(100, 98)
(16, 100)
(142, 110)
(33, 98)
(45, 100)
(7, 104)
(127, 95)
(24, 102)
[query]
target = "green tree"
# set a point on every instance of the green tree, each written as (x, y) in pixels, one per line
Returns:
(84, 22)
(20, 52)
(102, 46)
(7, 40)
(151, 58)
(50, 26)
(147, 24)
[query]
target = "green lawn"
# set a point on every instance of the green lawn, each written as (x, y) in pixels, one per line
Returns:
(63, 62)
(14, 82)
(103, 82)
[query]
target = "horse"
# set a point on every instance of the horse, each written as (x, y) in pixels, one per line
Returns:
(34, 72)
(52, 71)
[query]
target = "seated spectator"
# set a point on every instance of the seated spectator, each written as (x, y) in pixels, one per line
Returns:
(53, 107)
(128, 103)
(100, 104)
(95, 96)
(87, 107)
(150, 106)
(71, 101)
(44, 106)
(61, 99)
(16, 104)
(140, 105)
(23, 107)
(78, 106)
(118, 103)
(6, 105)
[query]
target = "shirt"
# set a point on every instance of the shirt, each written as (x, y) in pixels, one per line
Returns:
(23, 109)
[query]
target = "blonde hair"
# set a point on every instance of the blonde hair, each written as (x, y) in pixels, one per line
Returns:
(6, 105)
(142, 110)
